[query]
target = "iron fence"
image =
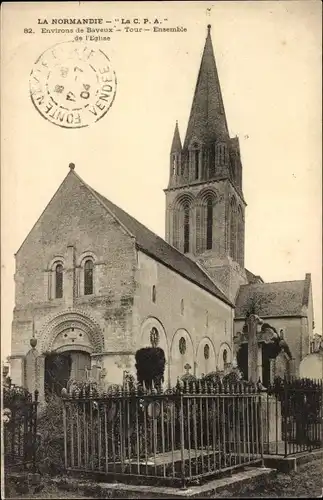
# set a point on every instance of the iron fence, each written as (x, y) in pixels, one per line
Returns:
(296, 416)
(181, 436)
(19, 427)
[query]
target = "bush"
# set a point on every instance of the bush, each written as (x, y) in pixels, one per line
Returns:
(50, 451)
(150, 366)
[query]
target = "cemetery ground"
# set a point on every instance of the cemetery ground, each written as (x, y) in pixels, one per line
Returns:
(306, 483)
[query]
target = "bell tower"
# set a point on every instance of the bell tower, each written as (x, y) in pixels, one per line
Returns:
(204, 200)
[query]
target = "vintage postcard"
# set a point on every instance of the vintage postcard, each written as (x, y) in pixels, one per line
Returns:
(161, 247)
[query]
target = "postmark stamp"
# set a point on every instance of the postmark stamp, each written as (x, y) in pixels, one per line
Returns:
(72, 84)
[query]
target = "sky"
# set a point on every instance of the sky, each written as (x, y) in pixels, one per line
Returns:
(269, 62)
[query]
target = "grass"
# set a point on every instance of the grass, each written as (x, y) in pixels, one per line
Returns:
(307, 483)
(51, 492)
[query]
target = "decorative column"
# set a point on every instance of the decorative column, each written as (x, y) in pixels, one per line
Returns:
(271, 417)
(31, 367)
(17, 370)
(69, 278)
(259, 362)
(40, 378)
(253, 348)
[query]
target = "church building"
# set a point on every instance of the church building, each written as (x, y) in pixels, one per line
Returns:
(93, 285)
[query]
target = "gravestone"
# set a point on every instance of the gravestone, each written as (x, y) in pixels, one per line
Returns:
(270, 405)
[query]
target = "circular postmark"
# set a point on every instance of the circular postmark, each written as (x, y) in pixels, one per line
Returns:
(72, 84)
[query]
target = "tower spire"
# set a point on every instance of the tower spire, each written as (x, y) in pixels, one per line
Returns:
(207, 120)
(176, 144)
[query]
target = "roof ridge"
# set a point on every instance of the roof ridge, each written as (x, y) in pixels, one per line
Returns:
(98, 197)
(273, 282)
(71, 172)
(182, 256)
(147, 228)
(205, 271)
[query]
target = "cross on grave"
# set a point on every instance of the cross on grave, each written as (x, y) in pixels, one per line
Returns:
(253, 347)
(256, 333)
(93, 373)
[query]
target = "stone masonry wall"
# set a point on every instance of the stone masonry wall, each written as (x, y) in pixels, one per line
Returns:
(75, 217)
(181, 309)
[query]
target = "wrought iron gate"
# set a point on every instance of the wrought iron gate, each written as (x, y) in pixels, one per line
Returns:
(19, 427)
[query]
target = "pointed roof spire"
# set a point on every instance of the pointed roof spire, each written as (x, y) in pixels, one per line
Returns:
(176, 144)
(207, 120)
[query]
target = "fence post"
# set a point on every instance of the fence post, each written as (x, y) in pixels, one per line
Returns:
(181, 423)
(34, 437)
(285, 414)
(262, 428)
(65, 433)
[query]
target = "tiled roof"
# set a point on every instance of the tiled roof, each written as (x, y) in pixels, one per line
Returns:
(253, 278)
(284, 298)
(156, 247)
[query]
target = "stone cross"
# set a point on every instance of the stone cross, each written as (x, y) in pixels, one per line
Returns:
(254, 349)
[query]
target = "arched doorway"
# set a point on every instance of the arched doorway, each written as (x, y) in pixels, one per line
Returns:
(68, 340)
(60, 367)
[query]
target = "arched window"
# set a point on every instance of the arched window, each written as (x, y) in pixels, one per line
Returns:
(186, 228)
(182, 346)
(88, 277)
(240, 237)
(153, 294)
(221, 154)
(154, 337)
(209, 223)
(178, 165)
(233, 229)
(174, 164)
(196, 159)
(59, 281)
(206, 351)
(225, 357)
(182, 307)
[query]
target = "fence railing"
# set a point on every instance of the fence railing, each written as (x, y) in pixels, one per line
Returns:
(19, 427)
(180, 436)
(295, 416)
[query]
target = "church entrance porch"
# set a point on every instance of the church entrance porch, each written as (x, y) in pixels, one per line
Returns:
(62, 367)
(71, 345)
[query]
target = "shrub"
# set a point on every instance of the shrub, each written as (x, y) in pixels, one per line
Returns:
(50, 452)
(150, 365)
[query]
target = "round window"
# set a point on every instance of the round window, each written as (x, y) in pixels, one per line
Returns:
(182, 345)
(206, 351)
(154, 337)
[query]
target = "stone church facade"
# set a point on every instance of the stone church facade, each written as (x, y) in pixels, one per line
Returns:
(94, 283)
